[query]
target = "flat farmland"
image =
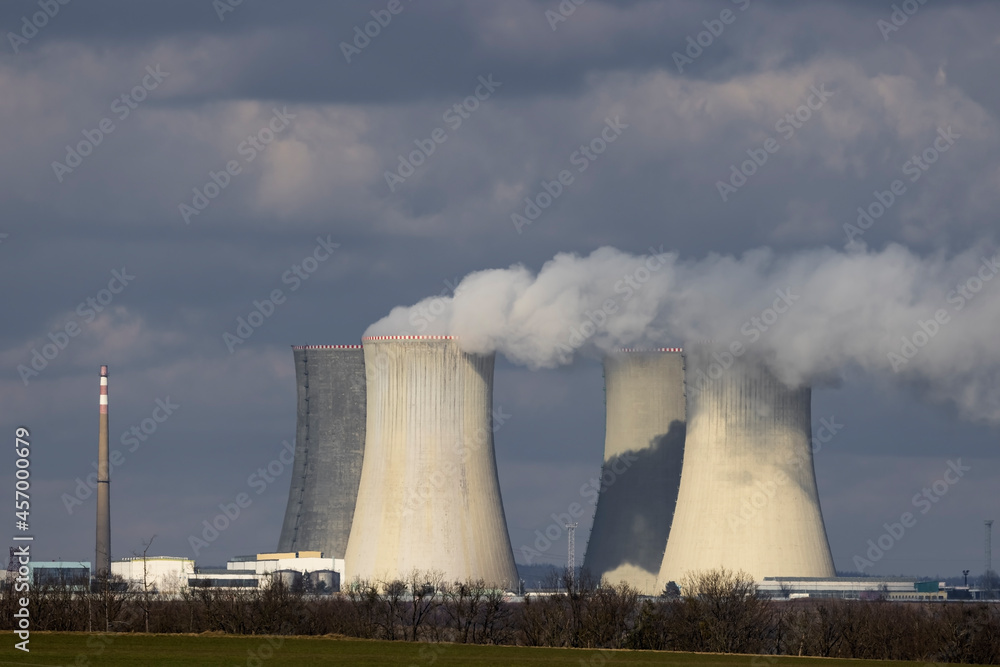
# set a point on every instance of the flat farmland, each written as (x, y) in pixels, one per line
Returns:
(56, 648)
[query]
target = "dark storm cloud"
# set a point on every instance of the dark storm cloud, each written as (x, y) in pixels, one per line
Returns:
(325, 174)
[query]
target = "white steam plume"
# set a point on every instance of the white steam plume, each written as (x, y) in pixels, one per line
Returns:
(930, 321)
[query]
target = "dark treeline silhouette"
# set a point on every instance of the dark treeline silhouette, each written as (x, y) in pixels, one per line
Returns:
(721, 612)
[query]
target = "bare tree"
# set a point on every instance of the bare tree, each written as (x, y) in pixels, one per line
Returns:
(496, 618)
(652, 628)
(393, 593)
(610, 616)
(109, 593)
(544, 620)
(733, 612)
(423, 599)
(148, 589)
(276, 607)
(365, 601)
(462, 602)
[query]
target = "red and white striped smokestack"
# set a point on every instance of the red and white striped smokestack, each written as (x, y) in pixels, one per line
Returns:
(102, 561)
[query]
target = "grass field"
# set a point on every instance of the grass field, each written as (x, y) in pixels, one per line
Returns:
(194, 650)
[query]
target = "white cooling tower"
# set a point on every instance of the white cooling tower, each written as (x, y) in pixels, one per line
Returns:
(429, 497)
(748, 498)
(643, 451)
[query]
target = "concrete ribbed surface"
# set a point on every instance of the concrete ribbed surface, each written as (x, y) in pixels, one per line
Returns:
(643, 452)
(329, 448)
(429, 498)
(748, 498)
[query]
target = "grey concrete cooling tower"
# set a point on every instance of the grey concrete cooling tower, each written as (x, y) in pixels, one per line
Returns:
(748, 498)
(429, 499)
(643, 451)
(329, 447)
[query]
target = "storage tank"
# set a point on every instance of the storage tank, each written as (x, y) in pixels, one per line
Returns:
(643, 452)
(329, 448)
(325, 581)
(291, 579)
(747, 498)
(429, 498)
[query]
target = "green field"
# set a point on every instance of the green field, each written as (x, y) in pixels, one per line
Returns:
(184, 650)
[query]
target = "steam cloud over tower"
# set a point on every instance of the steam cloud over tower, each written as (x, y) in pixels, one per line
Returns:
(429, 498)
(102, 552)
(747, 498)
(329, 447)
(643, 451)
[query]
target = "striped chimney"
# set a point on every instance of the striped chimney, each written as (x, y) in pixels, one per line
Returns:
(102, 561)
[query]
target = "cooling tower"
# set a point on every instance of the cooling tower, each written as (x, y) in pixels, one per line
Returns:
(429, 498)
(329, 446)
(747, 499)
(643, 451)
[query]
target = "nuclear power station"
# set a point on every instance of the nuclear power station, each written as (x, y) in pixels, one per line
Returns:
(747, 498)
(329, 448)
(707, 464)
(429, 497)
(643, 452)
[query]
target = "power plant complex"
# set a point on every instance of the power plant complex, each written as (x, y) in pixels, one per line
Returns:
(708, 464)
(705, 467)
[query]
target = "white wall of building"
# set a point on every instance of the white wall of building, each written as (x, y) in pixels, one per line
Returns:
(167, 574)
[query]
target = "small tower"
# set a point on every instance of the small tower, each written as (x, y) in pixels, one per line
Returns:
(989, 539)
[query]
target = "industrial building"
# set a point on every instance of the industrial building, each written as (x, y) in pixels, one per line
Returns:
(169, 575)
(159, 574)
(641, 474)
(329, 448)
(747, 498)
(852, 588)
(429, 498)
(74, 574)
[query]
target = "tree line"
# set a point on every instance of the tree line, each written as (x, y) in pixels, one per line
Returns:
(721, 611)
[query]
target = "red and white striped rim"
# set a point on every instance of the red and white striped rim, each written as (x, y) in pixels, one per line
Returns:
(366, 338)
(650, 349)
(326, 347)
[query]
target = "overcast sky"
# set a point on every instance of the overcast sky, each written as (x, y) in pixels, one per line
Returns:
(310, 117)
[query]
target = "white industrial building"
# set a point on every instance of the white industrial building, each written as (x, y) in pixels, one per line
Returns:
(171, 575)
(321, 574)
(854, 588)
(159, 574)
